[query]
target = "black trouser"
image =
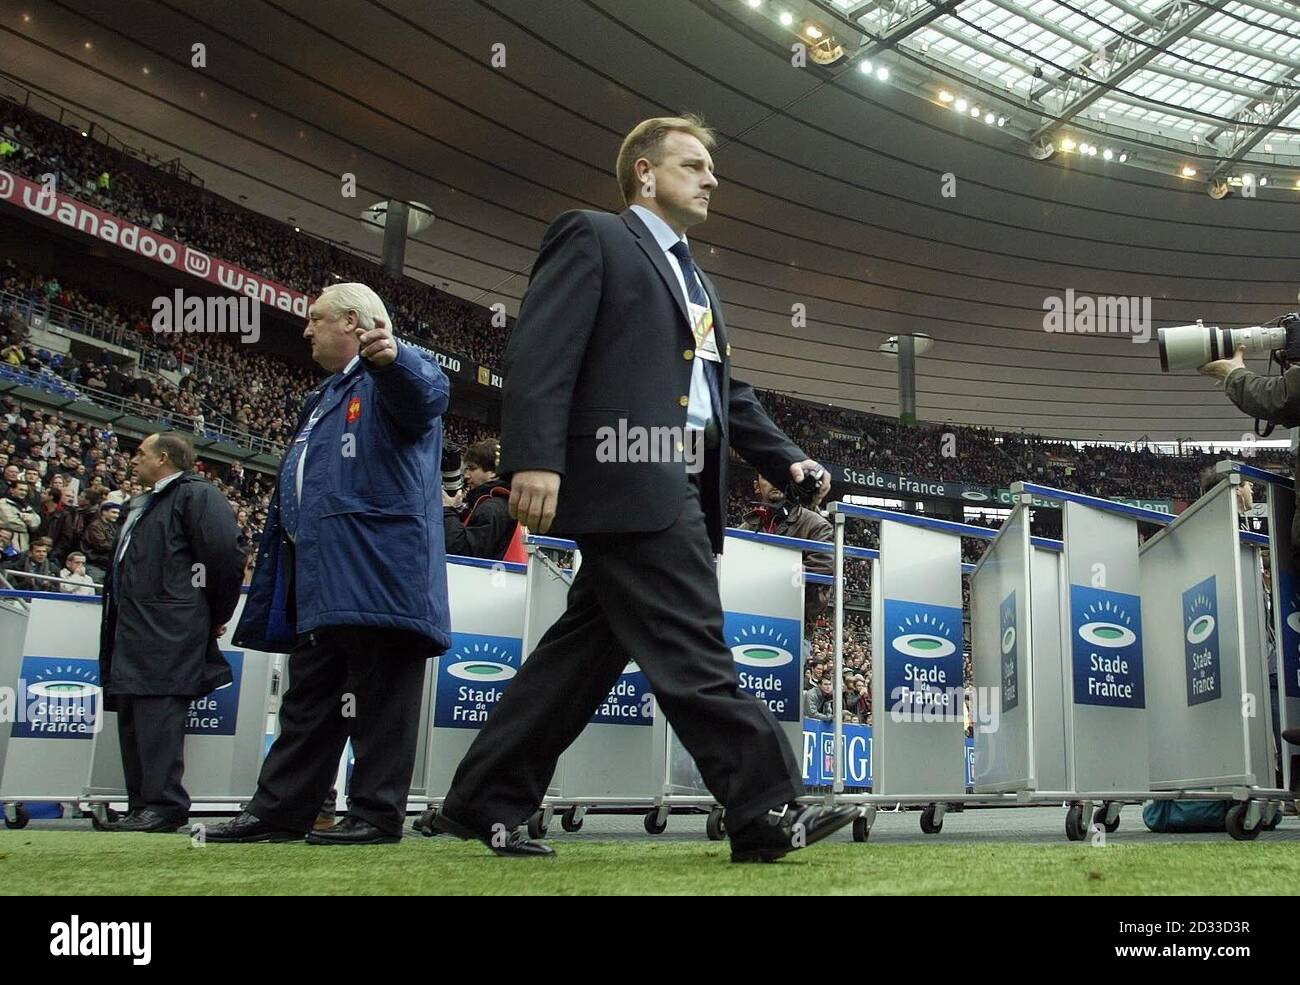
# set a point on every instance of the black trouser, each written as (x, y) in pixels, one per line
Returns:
(653, 597)
(346, 682)
(151, 732)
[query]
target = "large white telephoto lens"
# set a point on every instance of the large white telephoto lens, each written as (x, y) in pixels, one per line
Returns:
(1192, 346)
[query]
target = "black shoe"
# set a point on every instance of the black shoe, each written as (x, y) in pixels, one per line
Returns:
(514, 843)
(248, 828)
(148, 821)
(1292, 735)
(424, 823)
(777, 833)
(352, 830)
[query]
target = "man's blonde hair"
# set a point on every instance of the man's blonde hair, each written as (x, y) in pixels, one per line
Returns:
(646, 140)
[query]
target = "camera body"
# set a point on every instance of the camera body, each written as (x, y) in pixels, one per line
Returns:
(803, 493)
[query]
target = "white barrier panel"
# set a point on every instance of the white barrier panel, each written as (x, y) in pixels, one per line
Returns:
(487, 629)
(1101, 622)
(762, 593)
(1259, 716)
(225, 734)
(1195, 649)
(917, 673)
(619, 756)
(1286, 620)
(64, 746)
(54, 675)
(1050, 670)
(1002, 653)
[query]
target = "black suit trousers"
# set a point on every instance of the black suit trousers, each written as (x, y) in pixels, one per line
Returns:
(151, 733)
(346, 682)
(653, 597)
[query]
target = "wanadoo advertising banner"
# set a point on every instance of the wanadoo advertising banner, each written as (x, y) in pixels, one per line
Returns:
(33, 197)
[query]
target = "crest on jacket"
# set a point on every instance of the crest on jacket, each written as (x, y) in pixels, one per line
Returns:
(354, 409)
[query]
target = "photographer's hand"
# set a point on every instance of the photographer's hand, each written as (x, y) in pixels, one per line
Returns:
(1220, 368)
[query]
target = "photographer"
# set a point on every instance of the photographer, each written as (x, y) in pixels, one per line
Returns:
(482, 526)
(774, 515)
(1275, 399)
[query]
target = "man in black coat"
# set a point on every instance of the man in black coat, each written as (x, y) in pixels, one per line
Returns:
(481, 526)
(619, 411)
(172, 586)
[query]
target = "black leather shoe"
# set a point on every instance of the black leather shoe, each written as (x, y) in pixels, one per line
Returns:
(147, 821)
(514, 843)
(352, 830)
(424, 823)
(248, 828)
(777, 833)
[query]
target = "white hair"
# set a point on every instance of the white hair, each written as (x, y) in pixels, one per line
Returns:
(342, 298)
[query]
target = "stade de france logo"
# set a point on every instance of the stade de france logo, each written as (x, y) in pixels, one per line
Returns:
(56, 698)
(761, 645)
(75, 682)
(481, 663)
(1106, 629)
(925, 636)
(1201, 641)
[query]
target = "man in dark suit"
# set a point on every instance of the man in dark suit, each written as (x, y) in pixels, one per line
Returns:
(620, 336)
(172, 585)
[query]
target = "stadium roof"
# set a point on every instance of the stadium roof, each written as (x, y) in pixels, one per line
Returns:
(870, 201)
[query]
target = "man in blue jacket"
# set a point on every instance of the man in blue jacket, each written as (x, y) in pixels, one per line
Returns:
(351, 579)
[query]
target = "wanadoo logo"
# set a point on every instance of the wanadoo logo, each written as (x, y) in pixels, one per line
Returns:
(469, 665)
(102, 939)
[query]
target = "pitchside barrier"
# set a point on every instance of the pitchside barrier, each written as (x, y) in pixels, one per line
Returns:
(628, 759)
(1283, 671)
(919, 754)
(1136, 669)
(60, 745)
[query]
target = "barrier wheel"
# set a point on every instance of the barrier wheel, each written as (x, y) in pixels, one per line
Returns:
(716, 826)
(20, 818)
(653, 824)
(1099, 818)
(537, 825)
(570, 821)
(929, 824)
(1074, 823)
(1236, 824)
(861, 830)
